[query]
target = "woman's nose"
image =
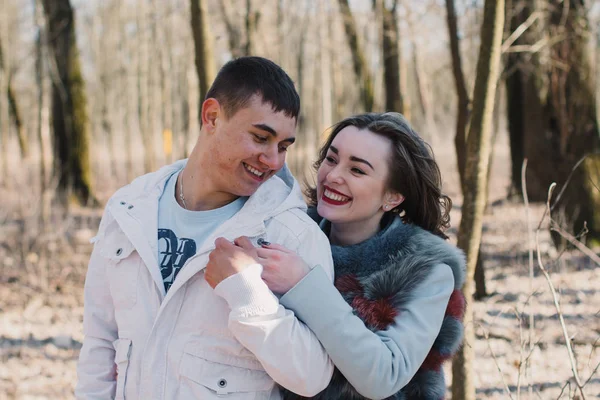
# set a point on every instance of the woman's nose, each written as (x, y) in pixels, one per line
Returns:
(335, 176)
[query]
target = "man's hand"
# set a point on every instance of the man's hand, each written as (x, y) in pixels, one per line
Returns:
(228, 259)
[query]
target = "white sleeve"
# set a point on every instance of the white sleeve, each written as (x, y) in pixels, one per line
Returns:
(287, 349)
(96, 366)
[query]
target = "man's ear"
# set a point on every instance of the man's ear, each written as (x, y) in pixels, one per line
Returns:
(393, 199)
(211, 111)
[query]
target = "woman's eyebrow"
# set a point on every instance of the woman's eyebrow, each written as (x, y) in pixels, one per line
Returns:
(352, 158)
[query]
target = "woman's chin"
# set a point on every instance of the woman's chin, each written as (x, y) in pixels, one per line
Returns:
(323, 210)
(326, 211)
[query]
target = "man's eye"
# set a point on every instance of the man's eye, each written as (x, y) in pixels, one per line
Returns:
(260, 139)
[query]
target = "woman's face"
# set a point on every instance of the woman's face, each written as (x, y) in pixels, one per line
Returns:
(351, 182)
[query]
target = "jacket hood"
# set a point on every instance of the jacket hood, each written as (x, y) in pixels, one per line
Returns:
(279, 193)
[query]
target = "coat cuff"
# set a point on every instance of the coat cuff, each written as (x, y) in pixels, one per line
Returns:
(315, 300)
(247, 294)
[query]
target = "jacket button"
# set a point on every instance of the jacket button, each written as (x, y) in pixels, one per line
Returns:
(129, 207)
(119, 251)
(122, 203)
(222, 383)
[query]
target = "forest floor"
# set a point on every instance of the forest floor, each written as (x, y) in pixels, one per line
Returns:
(42, 272)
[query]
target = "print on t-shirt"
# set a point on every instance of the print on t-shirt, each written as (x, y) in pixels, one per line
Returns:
(174, 252)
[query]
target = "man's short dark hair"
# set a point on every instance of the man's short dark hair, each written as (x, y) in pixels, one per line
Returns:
(242, 78)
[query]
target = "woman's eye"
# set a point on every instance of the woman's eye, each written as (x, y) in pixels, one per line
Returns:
(283, 149)
(330, 159)
(358, 171)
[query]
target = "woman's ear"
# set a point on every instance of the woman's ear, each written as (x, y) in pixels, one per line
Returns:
(392, 200)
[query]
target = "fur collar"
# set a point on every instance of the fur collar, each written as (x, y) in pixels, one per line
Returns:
(395, 241)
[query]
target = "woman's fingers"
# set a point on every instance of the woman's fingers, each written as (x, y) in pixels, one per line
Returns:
(268, 253)
(275, 246)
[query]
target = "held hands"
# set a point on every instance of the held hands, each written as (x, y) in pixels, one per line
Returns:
(228, 259)
(282, 268)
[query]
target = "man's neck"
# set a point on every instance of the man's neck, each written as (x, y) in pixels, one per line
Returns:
(199, 192)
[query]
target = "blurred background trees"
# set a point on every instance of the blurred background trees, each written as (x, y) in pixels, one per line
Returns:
(94, 93)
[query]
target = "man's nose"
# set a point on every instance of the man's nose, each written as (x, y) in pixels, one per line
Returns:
(272, 159)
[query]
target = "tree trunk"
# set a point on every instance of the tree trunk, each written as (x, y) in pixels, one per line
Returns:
(476, 166)
(391, 59)
(42, 112)
(105, 65)
(69, 113)
(359, 62)
(515, 107)
(166, 73)
(250, 28)
(462, 120)
(127, 91)
(421, 82)
(4, 122)
(515, 116)
(13, 107)
(234, 36)
(16, 117)
(325, 69)
(573, 120)
(463, 103)
(561, 125)
(152, 83)
(479, 277)
(142, 87)
(203, 50)
(41, 99)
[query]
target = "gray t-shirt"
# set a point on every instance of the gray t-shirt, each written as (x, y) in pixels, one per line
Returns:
(181, 232)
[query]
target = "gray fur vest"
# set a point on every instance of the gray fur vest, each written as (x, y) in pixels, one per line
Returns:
(377, 277)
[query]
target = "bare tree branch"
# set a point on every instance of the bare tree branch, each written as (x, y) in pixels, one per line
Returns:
(555, 297)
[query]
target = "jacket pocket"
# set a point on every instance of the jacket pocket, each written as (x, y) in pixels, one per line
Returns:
(204, 379)
(122, 270)
(122, 354)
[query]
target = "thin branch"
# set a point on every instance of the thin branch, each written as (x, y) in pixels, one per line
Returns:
(521, 361)
(568, 383)
(593, 349)
(562, 190)
(592, 374)
(537, 46)
(520, 30)
(487, 338)
(582, 247)
(530, 247)
(555, 298)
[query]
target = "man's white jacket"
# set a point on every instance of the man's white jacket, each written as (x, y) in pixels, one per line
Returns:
(194, 342)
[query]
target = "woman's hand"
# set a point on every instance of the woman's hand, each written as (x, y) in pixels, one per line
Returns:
(282, 268)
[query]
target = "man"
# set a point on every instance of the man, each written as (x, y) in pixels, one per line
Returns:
(154, 326)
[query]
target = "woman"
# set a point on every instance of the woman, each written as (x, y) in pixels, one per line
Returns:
(394, 315)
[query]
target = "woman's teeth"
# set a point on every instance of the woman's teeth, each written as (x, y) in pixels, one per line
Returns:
(254, 170)
(333, 196)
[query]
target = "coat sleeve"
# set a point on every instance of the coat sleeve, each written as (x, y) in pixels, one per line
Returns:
(388, 358)
(287, 349)
(96, 377)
